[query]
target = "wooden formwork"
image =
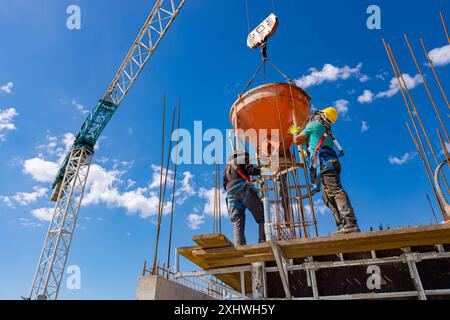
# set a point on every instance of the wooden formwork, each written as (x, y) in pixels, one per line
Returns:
(412, 262)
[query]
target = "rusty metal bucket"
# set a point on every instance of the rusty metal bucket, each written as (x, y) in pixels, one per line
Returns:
(272, 106)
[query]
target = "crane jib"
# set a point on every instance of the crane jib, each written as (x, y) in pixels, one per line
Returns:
(91, 130)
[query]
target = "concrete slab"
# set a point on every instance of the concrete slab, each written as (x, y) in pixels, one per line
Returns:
(157, 288)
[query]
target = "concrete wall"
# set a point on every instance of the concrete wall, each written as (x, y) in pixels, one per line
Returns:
(157, 288)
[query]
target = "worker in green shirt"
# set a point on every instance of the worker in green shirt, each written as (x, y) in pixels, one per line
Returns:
(326, 167)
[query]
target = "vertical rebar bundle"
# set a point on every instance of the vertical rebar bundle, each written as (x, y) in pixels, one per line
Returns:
(163, 179)
(424, 143)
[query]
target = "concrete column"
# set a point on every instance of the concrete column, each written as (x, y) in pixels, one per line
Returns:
(267, 222)
(258, 280)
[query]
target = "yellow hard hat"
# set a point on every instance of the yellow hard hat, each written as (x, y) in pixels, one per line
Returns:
(331, 114)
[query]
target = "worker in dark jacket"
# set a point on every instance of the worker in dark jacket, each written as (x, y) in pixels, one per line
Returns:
(326, 167)
(237, 183)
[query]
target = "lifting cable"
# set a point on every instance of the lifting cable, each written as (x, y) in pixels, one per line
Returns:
(265, 61)
(247, 15)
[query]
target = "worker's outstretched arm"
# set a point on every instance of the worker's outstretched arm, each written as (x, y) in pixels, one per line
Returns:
(301, 139)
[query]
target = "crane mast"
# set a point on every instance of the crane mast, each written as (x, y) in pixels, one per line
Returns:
(70, 182)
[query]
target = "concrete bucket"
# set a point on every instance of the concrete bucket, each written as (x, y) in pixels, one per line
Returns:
(274, 106)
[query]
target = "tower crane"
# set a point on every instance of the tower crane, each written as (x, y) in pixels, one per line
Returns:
(70, 182)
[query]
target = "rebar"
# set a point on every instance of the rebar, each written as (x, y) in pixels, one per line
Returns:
(399, 76)
(435, 73)
(163, 121)
(404, 86)
(430, 95)
(169, 250)
(162, 198)
(445, 26)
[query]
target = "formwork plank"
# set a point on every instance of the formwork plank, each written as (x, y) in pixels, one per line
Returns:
(213, 240)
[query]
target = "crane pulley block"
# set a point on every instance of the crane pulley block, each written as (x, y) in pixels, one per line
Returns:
(263, 32)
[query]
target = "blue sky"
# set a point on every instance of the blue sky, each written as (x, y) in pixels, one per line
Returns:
(51, 76)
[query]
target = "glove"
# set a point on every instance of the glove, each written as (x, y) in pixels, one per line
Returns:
(294, 130)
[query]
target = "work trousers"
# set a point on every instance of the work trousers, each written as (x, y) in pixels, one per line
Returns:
(334, 195)
(253, 203)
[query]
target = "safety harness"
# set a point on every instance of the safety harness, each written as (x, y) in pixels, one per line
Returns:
(321, 157)
(241, 187)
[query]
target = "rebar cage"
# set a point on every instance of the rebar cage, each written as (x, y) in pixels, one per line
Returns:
(288, 196)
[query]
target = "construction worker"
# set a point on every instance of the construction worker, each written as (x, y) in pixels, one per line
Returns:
(237, 182)
(325, 166)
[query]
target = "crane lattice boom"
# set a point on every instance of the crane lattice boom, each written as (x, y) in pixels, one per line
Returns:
(69, 185)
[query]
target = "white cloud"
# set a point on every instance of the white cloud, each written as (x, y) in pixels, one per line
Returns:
(40, 169)
(402, 160)
(341, 106)
(136, 202)
(68, 140)
(364, 126)
(102, 189)
(319, 208)
(411, 83)
(124, 164)
(43, 214)
(194, 221)
(58, 146)
(366, 97)
(7, 201)
(7, 88)
(157, 176)
(25, 222)
(382, 75)
(208, 196)
(100, 185)
(25, 198)
(79, 107)
(440, 56)
(364, 78)
(447, 146)
(130, 184)
(187, 189)
(329, 73)
(7, 121)
(51, 147)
